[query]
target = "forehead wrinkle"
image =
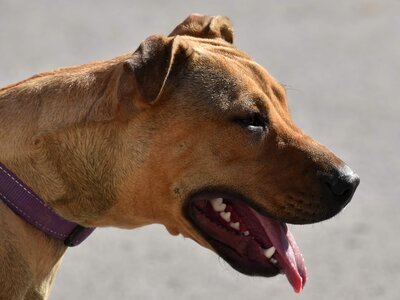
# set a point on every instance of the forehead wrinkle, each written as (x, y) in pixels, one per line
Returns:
(210, 82)
(228, 82)
(216, 47)
(256, 73)
(279, 91)
(272, 88)
(228, 51)
(193, 40)
(265, 83)
(274, 98)
(250, 95)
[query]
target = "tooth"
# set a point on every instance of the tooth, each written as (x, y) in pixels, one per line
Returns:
(226, 216)
(235, 225)
(246, 233)
(221, 207)
(269, 252)
(217, 201)
(274, 261)
(218, 204)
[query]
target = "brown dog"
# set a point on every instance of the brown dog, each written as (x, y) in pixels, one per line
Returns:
(188, 132)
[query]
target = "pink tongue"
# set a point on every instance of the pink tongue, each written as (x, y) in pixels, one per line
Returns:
(289, 256)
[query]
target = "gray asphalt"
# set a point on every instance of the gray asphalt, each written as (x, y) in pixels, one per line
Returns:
(341, 63)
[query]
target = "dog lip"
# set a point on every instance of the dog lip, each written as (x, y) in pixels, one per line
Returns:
(210, 192)
(245, 253)
(234, 249)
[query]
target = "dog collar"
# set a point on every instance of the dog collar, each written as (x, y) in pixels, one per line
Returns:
(26, 204)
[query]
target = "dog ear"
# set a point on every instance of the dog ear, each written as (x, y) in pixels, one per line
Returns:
(140, 79)
(146, 72)
(208, 27)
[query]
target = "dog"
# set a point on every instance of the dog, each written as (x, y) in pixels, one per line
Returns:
(189, 132)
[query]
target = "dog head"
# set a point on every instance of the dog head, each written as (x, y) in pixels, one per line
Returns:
(212, 153)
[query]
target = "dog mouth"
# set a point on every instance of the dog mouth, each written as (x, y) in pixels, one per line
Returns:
(249, 241)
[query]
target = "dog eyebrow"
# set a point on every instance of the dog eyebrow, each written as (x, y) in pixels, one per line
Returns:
(260, 104)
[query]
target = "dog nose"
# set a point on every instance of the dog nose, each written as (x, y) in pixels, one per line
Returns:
(340, 185)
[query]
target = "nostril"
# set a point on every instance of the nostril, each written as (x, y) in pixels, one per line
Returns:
(341, 184)
(340, 188)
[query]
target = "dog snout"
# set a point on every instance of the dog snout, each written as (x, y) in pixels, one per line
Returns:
(339, 185)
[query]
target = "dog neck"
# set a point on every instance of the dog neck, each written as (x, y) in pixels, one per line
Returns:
(25, 203)
(62, 116)
(48, 125)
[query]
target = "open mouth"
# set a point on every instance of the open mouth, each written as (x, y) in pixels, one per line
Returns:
(249, 241)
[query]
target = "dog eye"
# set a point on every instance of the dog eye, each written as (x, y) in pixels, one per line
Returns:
(253, 122)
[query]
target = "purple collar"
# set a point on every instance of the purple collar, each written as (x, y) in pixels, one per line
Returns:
(25, 203)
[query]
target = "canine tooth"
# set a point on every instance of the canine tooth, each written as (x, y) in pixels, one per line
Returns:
(246, 233)
(269, 252)
(226, 216)
(218, 204)
(235, 225)
(274, 261)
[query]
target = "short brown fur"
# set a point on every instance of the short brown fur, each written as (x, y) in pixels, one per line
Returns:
(124, 142)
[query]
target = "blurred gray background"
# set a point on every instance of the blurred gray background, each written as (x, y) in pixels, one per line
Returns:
(341, 63)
